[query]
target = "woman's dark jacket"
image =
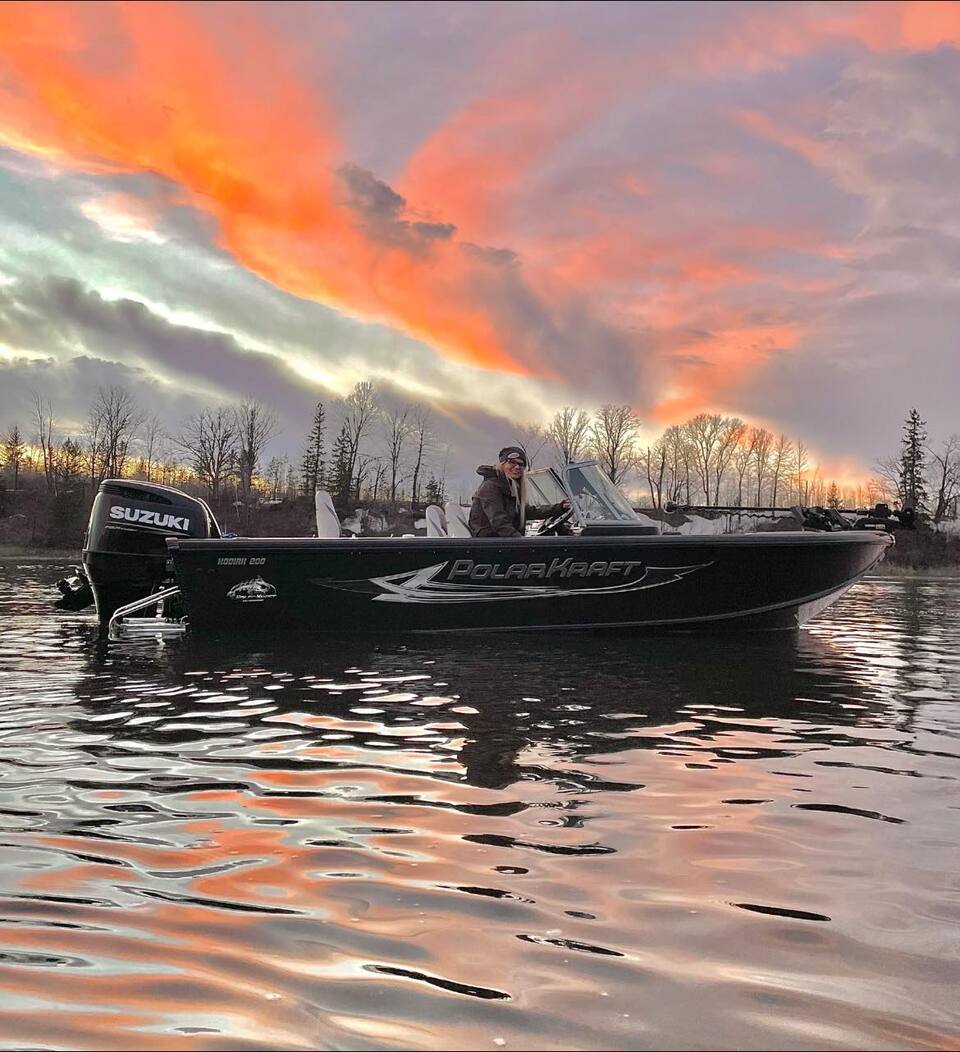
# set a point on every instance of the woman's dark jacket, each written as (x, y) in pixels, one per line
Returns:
(495, 512)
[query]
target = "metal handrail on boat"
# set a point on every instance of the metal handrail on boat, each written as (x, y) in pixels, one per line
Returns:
(137, 627)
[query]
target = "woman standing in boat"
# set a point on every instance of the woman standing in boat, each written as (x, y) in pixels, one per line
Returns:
(500, 506)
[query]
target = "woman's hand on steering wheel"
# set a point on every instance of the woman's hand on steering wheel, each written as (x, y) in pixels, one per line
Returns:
(551, 525)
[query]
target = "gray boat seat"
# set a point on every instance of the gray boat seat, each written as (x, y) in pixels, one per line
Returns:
(436, 521)
(457, 525)
(328, 522)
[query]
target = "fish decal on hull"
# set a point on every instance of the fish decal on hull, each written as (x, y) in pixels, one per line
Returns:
(431, 585)
(256, 590)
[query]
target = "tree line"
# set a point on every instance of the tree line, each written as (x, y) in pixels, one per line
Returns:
(376, 453)
(360, 449)
(714, 460)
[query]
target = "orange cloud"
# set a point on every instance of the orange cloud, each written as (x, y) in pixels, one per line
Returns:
(215, 106)
(546, 87)
(715, 363)
(256, 151)
(766, 37)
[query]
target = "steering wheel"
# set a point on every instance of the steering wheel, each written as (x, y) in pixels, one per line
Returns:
(553, 524)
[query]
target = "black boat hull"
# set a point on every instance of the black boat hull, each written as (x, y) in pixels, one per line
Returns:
(369, 586)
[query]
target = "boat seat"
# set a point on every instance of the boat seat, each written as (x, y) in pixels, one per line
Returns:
(457, 525)
(328, 522)
(436, 521)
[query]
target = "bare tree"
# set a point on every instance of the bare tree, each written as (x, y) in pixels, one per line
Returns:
(379, 473)
(154, 436)
(369, 466)
(254, 426)
(360, 414)
(421, 444)
(119, 419)
(887, 479)
(442, 472)
(654, 463)
(817, 489)
(703, 431)
(44, 422)
(94, 445)
(800, 467)
(612, 437)
(210, 441)
(569, 431)
(276, 474)
(779, 465)
(678, 464)
(761, 443)
(732, 430)
(398, 426)
(945, 476)
(742, 459)
(531, 438)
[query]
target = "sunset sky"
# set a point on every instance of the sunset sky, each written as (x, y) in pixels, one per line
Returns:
(500, 209)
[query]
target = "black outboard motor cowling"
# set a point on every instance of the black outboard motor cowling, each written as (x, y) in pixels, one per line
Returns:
(125, 550)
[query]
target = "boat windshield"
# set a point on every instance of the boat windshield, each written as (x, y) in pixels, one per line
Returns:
(596, 498)
(545, 488)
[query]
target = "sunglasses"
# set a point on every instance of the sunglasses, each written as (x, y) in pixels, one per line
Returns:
(516, 463)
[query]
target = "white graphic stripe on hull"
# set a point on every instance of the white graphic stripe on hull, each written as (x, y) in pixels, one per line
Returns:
(420, 586)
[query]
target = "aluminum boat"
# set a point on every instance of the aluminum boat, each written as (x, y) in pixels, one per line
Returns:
(156, 561)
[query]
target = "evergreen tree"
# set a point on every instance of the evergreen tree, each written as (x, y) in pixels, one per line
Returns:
(69, 462)
(434, 493)
(339, 475)
(14, 451)
(312, 466)
(833, 496)
(910, 470)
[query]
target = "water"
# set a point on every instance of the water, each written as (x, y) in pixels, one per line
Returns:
(582, 841)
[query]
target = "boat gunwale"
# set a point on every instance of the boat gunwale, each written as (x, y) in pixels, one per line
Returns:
(725, 540)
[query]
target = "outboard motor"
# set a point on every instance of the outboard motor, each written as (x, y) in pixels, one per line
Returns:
(125, 550)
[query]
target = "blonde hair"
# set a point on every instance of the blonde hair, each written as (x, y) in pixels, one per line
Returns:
(519, 490)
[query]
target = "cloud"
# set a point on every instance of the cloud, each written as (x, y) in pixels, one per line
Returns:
(64, 318)
(381, 210)
(259, 156)
(626, 205)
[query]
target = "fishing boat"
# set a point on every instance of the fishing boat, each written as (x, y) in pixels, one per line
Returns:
(156, 561)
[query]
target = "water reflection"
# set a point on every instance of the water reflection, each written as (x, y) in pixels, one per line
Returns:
(577, 841)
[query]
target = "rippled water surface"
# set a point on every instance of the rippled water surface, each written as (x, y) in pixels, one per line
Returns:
(573, 842)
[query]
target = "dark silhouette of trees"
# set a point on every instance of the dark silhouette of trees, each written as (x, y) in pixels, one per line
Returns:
(312, 465)
(44, 422)
(421, 442)
(911, 482)
(945, 470)
(398, 427)
(612, 437)
(14, 450)
(210, 442)
(569, 431)
(254, 425)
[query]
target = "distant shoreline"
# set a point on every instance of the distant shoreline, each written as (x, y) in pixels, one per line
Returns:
(950, 571)
(12, 552)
